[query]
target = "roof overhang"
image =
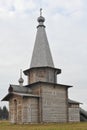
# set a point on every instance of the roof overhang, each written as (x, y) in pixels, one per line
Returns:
(47, 83)
(43, 67)
(73, 102)
(9, 95)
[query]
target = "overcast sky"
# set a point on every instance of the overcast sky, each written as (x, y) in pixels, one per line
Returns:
(66, 27)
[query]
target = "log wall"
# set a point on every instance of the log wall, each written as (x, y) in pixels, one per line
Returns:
(45, 74)
(15, 109)
(74, 113)
(54, 104)
(23, 110)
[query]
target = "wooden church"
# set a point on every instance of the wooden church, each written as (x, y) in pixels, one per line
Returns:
(42, 100)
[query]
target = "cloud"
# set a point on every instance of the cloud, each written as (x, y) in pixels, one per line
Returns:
(24, 7)
(64, 7)
(16, 7)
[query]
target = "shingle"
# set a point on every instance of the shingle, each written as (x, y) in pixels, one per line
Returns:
(41, 53)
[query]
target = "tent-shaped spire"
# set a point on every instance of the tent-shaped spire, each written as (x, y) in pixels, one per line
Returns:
(41, 54)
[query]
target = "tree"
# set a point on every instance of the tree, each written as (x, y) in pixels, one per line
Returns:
(0, 113)
(4, 113)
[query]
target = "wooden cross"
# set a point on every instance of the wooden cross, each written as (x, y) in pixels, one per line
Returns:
(40, 11)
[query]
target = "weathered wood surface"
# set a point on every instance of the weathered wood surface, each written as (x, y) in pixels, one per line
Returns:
(74, 113)
(54, 106)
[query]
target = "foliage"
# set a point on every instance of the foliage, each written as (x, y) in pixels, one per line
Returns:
(4, 113)
(61, 126)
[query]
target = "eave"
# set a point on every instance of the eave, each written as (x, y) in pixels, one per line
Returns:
(56, 69)
(9, 95)
(47, 83)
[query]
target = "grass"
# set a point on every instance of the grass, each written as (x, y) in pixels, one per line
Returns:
(62, 126)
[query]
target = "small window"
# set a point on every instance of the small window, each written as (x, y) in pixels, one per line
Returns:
(19, 102)
(53, 92)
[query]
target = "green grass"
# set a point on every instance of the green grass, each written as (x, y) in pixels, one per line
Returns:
(62, 126)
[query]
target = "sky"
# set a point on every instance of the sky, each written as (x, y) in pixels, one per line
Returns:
(66, 28)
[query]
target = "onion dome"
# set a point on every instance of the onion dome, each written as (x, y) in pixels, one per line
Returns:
(41, 19)
(21, 80)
